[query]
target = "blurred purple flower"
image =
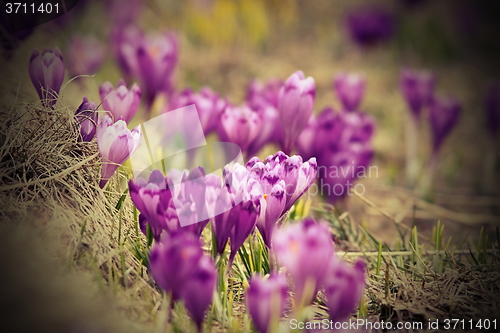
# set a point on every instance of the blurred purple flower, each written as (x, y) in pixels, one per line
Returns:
(443, 116)
(198, 291)
(344, 287)
(492, 108)
(370, 25)
(47, 74)
(209, 106)
(124, 41)
(86, 117)
(116, 143)
(295, 106)
(85, 55)
(240, 125)
(304, 249)
(267, 93)
(157, 58)
(350, 89)
(263, 98)
(278, 183)
(150, 58)
(180, 267)
(342, 146)
(417, 88)
(121, 102)
(266, 300)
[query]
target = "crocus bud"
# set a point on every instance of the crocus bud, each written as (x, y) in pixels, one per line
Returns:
(86, 117)
(344, 287)
(85, 55)
(247, 218)
(199, 289)
(47, 74)
(266, 300)
(116, 143)
(174, 260)
(121, 102)
(443, 116)
(295, 106)
(492, 108)
(241, 125)
(350, 89)
(180, 267)
(370, 25)
(417, 88)
(303, 249)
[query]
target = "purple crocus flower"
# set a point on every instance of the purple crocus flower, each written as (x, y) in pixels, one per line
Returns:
(243, 211)
(443, 116)
(342, 145)
(153, 59)
(266, 93)
(278, 183)
(85, 55)
(303, 249)
(121, 102)
(209, 106)
(263, 98)
(240, 125)
(248, 211)
(124, 41)
(180, 267)
(370, 25)
(47, 74)
(116, 143)
(350, 89)
(417, 88)
(344, 287)
(86, 117)
(266, 300)
(492, 108)
(199, 289)
(295, 106)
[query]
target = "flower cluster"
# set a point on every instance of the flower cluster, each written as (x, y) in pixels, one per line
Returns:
(307, 253)
(340, 141)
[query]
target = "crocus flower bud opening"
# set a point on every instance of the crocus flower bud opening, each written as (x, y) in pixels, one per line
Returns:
(47, 74)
